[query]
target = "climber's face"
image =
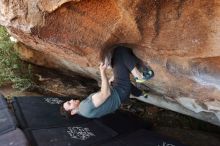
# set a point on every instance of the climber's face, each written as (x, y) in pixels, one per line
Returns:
(72, 106)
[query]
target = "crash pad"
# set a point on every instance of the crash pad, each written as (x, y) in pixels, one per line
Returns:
(7, 121)
(75, 135)
(13, 138)
(3, 102)
(42, 112)
(143, 137)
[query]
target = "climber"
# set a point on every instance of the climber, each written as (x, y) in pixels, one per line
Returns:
(116, 90)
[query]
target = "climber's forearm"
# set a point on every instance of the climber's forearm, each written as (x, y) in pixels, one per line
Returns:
(105, 87)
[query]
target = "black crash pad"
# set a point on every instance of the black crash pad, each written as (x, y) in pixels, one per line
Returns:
(7, 121)
(13, 138)
(3, 103)
(143, 138)
(43, 100)
(124, 122)
(42, 112)
(77, 135)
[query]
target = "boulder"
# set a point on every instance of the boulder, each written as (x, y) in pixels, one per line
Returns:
(179, 39)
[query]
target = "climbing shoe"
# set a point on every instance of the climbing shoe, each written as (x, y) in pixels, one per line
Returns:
(144, 94)
(148, 73)
(140, 80)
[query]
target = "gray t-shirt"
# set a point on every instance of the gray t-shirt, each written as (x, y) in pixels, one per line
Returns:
(88, 109)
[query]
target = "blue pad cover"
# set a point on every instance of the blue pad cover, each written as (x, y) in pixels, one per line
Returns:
(7, 121)
(13, 138)
(3, 103)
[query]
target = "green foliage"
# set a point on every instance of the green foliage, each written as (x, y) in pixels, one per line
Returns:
(12, 69)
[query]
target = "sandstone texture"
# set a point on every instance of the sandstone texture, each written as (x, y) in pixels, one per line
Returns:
(179, 39)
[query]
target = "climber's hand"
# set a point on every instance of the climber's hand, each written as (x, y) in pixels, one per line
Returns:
(102, 67)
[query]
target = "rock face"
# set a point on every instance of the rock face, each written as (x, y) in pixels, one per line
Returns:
(179, 39)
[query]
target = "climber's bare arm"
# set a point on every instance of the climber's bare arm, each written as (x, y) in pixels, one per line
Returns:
(100, 97)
